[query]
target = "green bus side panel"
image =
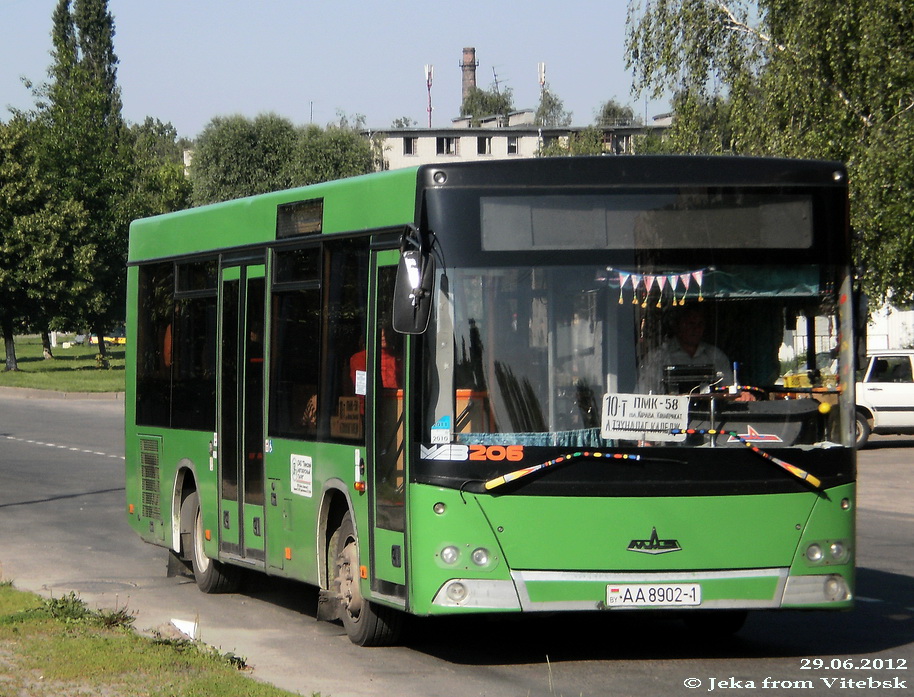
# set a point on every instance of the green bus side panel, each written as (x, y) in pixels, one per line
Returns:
(299, 475)
(385, 541)
(350, 205)
(158, 463)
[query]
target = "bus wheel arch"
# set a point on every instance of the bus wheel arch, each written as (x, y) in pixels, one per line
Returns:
(211, 575)
(366, 622)
(185, 485)
(335, 504)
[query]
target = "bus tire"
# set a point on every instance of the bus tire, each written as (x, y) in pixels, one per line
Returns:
(366, 622)
(211, 576)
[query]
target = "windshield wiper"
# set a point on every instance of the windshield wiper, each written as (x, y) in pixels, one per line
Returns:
(503, 479)
(797, 472)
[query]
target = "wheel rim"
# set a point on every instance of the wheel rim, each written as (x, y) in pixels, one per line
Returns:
(348, 579)
(200, 558)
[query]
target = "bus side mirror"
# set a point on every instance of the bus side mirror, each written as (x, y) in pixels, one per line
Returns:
(412, 302)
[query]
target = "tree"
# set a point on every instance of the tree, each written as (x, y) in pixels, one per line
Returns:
(84, 151)
(479, 103)
(161, 184)
(801, 78)
(236, 156)
(44, 257)
(403, 122)
(611, 113)
(588, 141)
(551, 110)
(332, 153)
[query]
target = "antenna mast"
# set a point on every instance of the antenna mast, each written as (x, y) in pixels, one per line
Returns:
(429, 74)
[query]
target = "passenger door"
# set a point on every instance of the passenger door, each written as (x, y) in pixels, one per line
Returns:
(240, 424)
(387, 475)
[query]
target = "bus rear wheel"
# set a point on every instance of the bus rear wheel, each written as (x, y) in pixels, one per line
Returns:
(366, 622)
(211, 576)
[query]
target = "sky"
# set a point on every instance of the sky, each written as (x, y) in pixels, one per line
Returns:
(188, 61)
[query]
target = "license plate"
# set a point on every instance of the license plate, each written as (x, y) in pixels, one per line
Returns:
(653, 595)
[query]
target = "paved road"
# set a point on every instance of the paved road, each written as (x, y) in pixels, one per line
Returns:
(62, 528)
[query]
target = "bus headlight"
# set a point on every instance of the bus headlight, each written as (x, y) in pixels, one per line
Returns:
(835, 589)
(815, 590)
(456, 592)
(450, 554)
(480, 556)
(838, 551)
(826, 552)
(814, 553)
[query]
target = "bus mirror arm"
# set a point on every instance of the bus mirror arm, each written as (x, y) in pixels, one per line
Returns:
(412, 301)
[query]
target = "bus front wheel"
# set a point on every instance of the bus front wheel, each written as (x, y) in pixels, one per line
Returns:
(366, 622)
(211, 576)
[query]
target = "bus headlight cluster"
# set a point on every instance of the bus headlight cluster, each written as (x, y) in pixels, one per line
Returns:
(835, 588)
(451, 554)
(828, 552)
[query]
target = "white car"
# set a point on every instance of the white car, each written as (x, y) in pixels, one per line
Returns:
(885, 394)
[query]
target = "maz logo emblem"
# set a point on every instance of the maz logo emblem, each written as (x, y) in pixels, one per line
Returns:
(654, 545)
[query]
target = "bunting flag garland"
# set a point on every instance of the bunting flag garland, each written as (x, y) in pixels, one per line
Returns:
(661, 282)
(685, 279)
(643, 285)
(648, 284)
(623, 277)
(698, 276)
(636, 282)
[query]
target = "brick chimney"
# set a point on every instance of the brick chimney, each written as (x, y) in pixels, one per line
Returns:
(468, 66)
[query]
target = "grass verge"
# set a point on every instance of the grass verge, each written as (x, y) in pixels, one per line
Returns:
(60, 648)
(73, 369)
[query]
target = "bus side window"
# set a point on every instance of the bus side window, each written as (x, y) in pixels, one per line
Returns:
(341, 414)
(295, 364)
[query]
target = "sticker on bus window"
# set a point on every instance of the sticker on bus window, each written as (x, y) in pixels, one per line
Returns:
(441, 430)
(302, 475)
(644, 416)
(361, 382)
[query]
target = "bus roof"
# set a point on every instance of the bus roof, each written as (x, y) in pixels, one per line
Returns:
(365, 202)
(388, 199)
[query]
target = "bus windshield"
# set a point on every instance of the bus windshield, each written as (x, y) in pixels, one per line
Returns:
(659, 345)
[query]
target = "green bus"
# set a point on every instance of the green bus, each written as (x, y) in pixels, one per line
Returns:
(543, 385)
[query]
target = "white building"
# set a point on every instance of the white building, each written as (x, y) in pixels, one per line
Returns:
(890, 328)
(493, 139)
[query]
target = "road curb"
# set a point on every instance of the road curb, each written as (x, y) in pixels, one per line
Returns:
(32, 393)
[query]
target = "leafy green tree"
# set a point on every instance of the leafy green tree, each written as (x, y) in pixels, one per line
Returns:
(551, 110)
(480, 103)
(588, 141)
(84, 151)
(701, 126)
(612, 113)
(236, 156)
(403, 122)
(800, 78)
(332, 153)
(45, 257)
(161, 184)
